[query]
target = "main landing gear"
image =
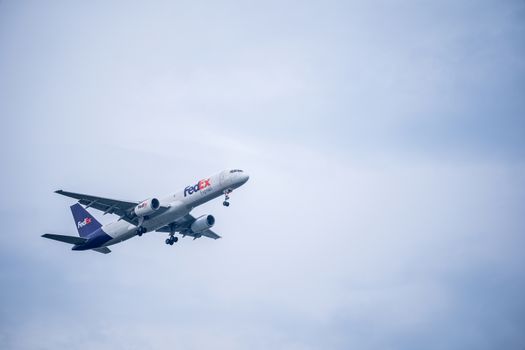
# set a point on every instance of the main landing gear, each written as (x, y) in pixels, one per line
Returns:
(171, 239)
(141, 230)
(226, 197)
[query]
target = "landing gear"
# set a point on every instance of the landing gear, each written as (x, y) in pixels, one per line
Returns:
(141, 230)
(171, 239)
(226, 197)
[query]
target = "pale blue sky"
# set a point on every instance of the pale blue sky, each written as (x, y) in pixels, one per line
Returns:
(385, 143)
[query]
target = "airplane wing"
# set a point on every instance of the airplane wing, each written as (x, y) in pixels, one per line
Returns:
(183, 224)
(210, 234)
(108, 205)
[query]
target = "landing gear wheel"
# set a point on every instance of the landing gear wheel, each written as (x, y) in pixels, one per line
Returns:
(141, 230)
(170, 240)
(226, 197)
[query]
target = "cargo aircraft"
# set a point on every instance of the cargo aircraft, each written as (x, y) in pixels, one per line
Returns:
(170, 214)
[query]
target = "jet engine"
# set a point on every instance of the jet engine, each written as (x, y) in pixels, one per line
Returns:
(147, 207)
(202, 223)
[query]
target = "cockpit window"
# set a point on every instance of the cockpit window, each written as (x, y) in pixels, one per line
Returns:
(235, 171)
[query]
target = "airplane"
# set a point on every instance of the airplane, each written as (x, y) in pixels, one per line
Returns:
(170, 214)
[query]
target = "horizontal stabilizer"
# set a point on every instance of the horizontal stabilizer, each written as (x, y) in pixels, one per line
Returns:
(103, 250)
(65, 239)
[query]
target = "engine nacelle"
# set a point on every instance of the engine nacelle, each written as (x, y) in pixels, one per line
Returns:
(203, 223)
(147, 207)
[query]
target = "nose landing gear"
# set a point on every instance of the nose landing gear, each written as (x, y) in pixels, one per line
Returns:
(226, 197)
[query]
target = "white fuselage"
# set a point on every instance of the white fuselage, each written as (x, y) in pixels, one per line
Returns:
(179, 204)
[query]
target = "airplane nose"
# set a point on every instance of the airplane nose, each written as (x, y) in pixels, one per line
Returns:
(244, 177)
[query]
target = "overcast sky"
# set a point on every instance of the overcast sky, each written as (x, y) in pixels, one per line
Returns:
(385, 143)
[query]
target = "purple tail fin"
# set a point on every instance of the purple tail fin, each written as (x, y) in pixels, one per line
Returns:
(85, 222)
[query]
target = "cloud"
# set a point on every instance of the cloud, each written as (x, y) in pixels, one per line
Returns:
(379, 212)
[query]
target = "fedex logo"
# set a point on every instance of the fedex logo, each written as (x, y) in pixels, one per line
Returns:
(202, 184)
(83, 223)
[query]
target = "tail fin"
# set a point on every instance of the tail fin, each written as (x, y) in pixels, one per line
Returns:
(85, 222)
